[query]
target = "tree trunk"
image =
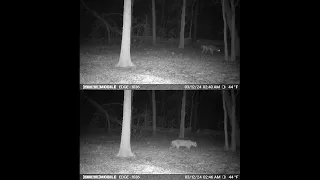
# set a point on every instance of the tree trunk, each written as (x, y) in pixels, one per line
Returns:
(146, 117)
(233, 29)
(192, 111)
(125, 146)
(183, 113)
(153, 23)
(230, 101)
(225, 117)
(163, 13)
(131, 30)
(154, 115)
(192, 17)
(183, 13)
(233, 123)
(132, 106)
(125, 57)
(228, 13)
(195, 116)
(163, 113)
(225, 33)
(195, 26)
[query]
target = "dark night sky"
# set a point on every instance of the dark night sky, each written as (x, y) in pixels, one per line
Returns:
(210, 107)
(210, 17)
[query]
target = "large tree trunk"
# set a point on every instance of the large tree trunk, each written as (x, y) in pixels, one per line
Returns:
(154, 115)
(125, 57)
(183, 113)
(183, 19)
(125, 146)
(228, 12)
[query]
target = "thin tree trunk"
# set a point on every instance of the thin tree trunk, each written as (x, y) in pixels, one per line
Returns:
(225, 32)
(125, 146)
(153, 23)
(233, 122)
(233, 29)
(183, 113)
(163, 14)
(225, 117)
(154, 115)
(183, 19)
(163, 113)
(195, 116)
(195, 26)
(192, 17)
(146, 117)
(192, 109)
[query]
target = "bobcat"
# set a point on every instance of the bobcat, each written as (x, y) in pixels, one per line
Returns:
(211, 48)
(186, 143)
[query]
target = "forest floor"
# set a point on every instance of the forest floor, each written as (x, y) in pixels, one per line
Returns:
(163, 63)
(154, 156)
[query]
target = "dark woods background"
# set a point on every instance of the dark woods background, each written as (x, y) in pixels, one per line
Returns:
(207, 108)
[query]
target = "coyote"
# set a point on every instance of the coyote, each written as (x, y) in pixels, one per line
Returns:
(211, 48)
(186, 143)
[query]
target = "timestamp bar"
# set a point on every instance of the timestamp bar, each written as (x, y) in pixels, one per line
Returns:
(159, 86)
